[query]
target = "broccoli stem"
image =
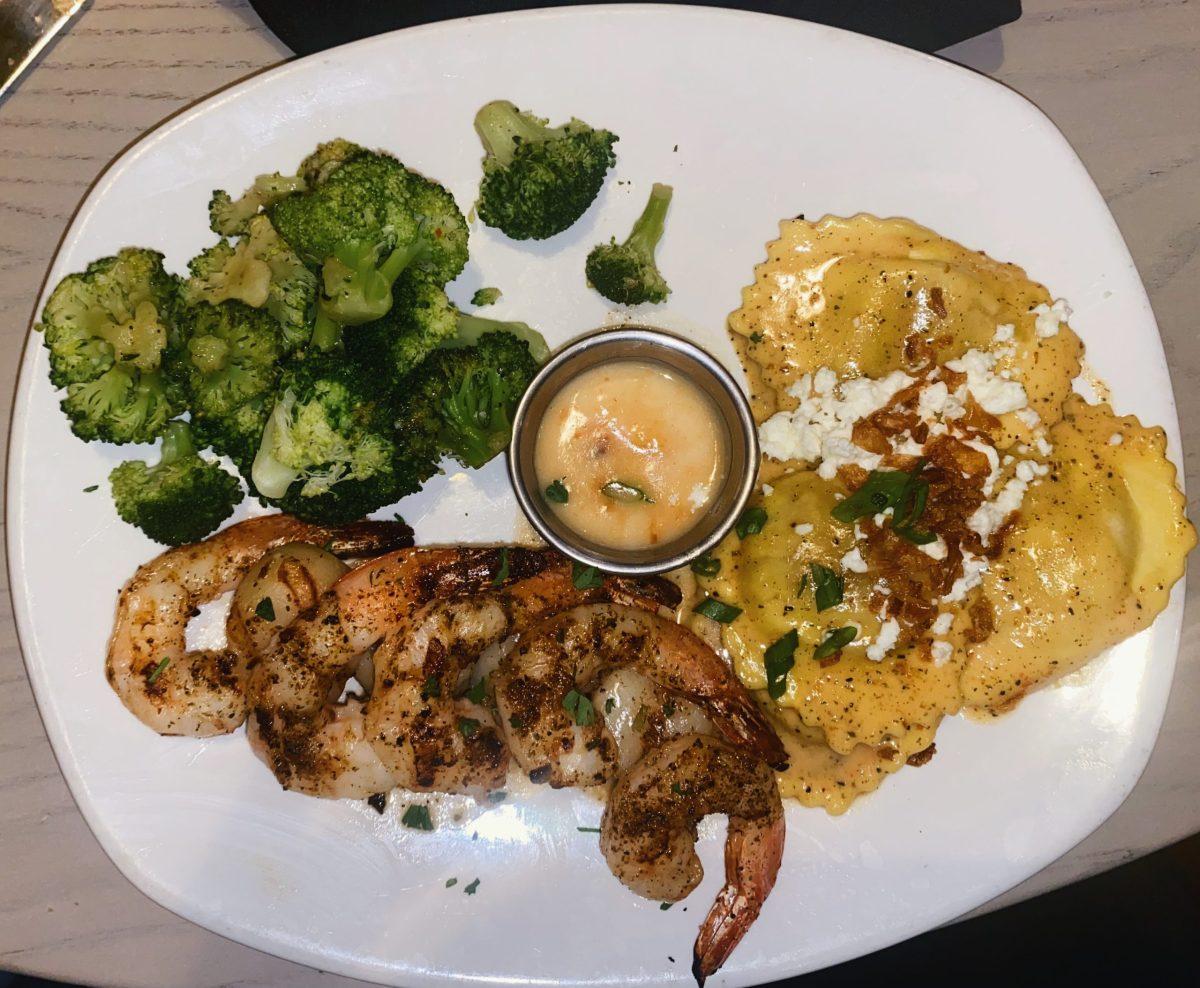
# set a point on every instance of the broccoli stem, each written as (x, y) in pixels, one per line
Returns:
(501, 127)
(176, 443)
(648, 229)
(327, 333)
(471, 328)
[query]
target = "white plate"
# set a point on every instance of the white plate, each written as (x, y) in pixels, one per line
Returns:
(752, 118)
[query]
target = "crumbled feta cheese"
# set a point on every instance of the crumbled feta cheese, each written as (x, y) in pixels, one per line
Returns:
(942, 652)
(768, 490)
(990, 515)
(935, 549)
(1116, 439)
(1050, 317)
(803, 529)
(1043, 447)
(820, 429)
(1007, 459)
(937, 401)
(993, 459)
(885, 641)
(1004, 332)
(908, 447)
(973, 569)
(883, 516)
(994, 394)
(943, 623)
(1029, 417)
(859, 534)
(854, 562)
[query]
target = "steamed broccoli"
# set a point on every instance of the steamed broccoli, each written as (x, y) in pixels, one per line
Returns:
(486, 296)
(366, 224)
(626, 273)
(328, 451)
(463, 399)
(261, 271)
(537, 179)
(326, 159)
(107, 330)
(421, 319)
(238, 433)
(471, 328)
(230, 217)
(181, 498)
(229, 354)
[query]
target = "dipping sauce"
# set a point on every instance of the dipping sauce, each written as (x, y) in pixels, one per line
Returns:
(631, 454)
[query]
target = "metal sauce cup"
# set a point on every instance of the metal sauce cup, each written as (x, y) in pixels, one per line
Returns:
(702, 370)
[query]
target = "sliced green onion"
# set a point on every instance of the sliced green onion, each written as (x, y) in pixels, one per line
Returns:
(835, 641)
(828, 586)
(751, 522)
(625, 493)
(717, 610)
(557, 492)
(778, 661)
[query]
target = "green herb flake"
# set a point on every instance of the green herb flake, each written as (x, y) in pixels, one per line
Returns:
(486, 296)
(664, 906)
(158, 669)
(778, 661)
(89, 490)
(676, 788)
(668, 708)
(580, 708)
(265, 609)
(499, 796)
(502, 572)
(586, 577)
(557, 492)
(451, 882)
(835, 641)
(472, 888)
(706, 566)
(829, 586)
(588, 830)
(751, 522)
(515, 722)
(468, 726)
(609, 705)
(417, 818)
(624, 493)
(478, 691)
(432, 689)
(756, 337)
(803, 585)
(717, 610)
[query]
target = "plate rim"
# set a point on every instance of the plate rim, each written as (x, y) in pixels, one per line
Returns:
(145, 881)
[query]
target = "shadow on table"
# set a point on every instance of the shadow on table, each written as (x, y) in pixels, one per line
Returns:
(1138, 922)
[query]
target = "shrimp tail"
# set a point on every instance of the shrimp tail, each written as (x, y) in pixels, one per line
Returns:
(753, 853)
(369, 538)
(745, 726)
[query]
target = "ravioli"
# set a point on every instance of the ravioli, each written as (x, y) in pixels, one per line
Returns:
(1100, 542)
(854, 701)
(865, 296)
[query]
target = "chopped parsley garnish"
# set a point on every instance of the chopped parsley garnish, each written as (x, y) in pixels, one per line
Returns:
(557, 492)
(676, 788)
(756, 337)
(417, 818)
(778, 661)
(588, 830)
(94, 487)
(609, 704)
(515, 722)
(451, 882)
(502, 572)
(478, 691)
(717, 610)
(835, 641)
(468, 726)
(580, 708)
(828, 586)
(624, 493)
(586, 577)
(265, 609)
(706, 566)
(751, 522)
(432, 689)
(157, 670)
(472, 888)
(664, 906)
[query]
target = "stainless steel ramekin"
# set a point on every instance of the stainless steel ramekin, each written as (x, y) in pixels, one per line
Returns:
(703, 370)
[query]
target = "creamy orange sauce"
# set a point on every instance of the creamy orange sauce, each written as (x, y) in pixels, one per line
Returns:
(636, 449)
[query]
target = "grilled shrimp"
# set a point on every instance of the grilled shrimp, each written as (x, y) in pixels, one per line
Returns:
(542, 690)
(429, 739)
(648, 835)
(202, 693)
(289, 687)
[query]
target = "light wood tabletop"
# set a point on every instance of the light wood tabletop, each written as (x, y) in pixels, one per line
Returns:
(1119, 77)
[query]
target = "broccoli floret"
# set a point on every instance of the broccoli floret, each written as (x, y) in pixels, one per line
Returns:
(463, 399)
(626, 273)
(107, 330)
(326, 159)
(421, 319)
(470, 329)
(230, 217)
(181, 498)
(537, 179)
(263, 272)
(328, 451)
(230, 354)
(443, 229)
(485, 296)
(238, 433)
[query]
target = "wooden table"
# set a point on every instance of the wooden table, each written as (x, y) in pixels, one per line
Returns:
(1119, 77)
